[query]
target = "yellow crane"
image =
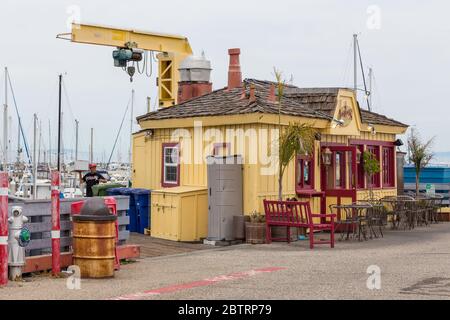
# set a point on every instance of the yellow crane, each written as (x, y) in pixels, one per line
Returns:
(130, 45)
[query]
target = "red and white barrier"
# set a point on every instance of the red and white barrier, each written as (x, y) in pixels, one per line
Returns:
(56, 226)
(3, 228)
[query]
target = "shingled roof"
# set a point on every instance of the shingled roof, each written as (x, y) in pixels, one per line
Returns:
(318, 103)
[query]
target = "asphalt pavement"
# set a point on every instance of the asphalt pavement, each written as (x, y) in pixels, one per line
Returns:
(412, 264)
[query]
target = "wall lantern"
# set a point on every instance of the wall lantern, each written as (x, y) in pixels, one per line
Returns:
(326, 157)
(371, 128)
(358, 156)
(398, 143)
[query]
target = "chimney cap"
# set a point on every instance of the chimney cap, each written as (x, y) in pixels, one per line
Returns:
(234, 51)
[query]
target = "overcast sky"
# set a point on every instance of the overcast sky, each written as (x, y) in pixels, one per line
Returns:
(406, 43)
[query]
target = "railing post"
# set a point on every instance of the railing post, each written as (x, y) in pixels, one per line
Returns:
(56, 226)
(3, 228)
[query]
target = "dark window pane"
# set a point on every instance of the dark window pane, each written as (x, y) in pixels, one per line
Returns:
(171, 174)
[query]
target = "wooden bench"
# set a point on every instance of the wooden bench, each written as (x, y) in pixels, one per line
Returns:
(296, 214)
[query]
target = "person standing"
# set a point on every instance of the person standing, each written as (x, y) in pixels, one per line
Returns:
(92, 178)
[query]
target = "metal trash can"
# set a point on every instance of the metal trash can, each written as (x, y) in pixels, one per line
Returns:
(94, 239)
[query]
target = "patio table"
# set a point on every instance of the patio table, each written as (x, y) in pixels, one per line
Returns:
(356, 219)
(402, 211)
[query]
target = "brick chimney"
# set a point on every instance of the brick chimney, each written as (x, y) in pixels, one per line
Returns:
(271, 98)
(252, 97)
(234, 70)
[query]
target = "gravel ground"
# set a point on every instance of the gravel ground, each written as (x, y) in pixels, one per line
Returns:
(414, 265)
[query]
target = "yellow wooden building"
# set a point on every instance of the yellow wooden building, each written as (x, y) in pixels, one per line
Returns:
(170, 150)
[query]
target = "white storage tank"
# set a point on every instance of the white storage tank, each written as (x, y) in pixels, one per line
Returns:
(195, 69)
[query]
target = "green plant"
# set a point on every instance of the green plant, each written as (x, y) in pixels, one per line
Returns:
(371, 166)
(296, 138)
(256, 217)
(420, 154)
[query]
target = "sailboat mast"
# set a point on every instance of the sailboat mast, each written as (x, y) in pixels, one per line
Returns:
(91, 150)
(49, 144)
(34, 157)
(5, 123)
(76, 139)
(355, 63)
(18, 143)
(370, 85)
(59, 125)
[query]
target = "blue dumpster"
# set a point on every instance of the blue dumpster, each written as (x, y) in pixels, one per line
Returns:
(132, 227)
(141, 199)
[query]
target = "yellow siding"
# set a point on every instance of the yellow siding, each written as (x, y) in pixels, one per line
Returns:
(179, 214)
(147, 165)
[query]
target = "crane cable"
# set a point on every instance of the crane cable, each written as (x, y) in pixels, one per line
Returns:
(118, 133)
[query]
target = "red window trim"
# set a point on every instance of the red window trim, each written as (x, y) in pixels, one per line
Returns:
(360, 175)
(376, 177)
(165, 184)
(343, 171)
(390, 167)
(370, 142)
(217, 146)
(323, 169)
(299, 187)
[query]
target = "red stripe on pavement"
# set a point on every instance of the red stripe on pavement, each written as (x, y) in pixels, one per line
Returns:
(200, 283)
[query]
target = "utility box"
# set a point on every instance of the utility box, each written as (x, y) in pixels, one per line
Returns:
(224, 195)
(180, 213)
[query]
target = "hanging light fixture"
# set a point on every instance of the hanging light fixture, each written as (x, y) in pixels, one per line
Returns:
(358, 156)
(326, 156)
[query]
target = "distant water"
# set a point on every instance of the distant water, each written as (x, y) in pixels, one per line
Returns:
(441, 158)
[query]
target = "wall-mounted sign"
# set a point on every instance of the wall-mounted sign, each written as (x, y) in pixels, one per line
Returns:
(345, 114)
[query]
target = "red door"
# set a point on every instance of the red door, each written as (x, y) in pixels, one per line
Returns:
(339, 177)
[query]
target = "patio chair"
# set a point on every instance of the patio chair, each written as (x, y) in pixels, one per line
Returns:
(346, 221)
(377, 217)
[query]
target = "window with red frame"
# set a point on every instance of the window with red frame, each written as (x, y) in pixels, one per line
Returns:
(305, 172)
(170, 165)
(360, 168)
(375, 181)
(388, 170)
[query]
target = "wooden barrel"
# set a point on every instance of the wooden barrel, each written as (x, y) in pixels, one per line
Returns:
(255, 233)
(94, 246)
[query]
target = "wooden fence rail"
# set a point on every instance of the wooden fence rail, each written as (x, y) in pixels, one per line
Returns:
(39, 223)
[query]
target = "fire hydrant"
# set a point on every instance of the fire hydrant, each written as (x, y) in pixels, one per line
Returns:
(18, 239)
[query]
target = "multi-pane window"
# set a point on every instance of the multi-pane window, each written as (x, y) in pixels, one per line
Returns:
(171, 169)
(305, 172)
(375, 180)
(388, 164)
(360, 168)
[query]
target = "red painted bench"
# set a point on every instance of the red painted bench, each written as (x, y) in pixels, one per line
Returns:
(296, 214)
